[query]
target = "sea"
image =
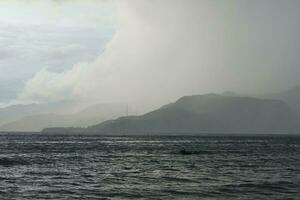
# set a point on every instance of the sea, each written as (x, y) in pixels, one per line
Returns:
(37, 166)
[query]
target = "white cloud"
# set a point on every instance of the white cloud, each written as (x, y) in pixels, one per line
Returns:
(39, 35)
(50, 86)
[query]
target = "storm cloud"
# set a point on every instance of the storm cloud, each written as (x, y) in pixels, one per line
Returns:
(166, 49)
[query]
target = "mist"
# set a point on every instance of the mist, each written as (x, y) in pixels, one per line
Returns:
(149, 99)
(163, 50)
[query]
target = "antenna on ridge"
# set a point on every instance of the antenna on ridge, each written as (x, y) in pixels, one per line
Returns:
(127, 110)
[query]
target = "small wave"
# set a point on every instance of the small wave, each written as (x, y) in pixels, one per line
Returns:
(279, 186)
(8, 162)
(182, 193)
(179, 179)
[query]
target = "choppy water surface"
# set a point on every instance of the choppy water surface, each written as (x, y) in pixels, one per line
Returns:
(95, 167)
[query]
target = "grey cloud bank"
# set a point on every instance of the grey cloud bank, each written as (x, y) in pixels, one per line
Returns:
(166, 49)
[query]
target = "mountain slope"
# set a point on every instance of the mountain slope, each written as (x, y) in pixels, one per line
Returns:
(291, 97)
(16, 112)
(87, 117)
(208, 113)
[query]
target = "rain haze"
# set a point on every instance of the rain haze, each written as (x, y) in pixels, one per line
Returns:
(146, 53)
(149, 99)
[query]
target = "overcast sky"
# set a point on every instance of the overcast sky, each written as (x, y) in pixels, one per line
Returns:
(160, 49)
(52, 35)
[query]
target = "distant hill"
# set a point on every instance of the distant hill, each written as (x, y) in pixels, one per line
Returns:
(207, 113)
(16, 112)
(86, 117)
(291, 97)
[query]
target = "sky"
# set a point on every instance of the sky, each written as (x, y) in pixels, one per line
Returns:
(146, 53)
(54, 35)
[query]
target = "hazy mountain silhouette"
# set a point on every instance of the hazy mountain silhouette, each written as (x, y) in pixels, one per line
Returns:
(86, 117)
(16, 112)
(291, 97)
(207, 113)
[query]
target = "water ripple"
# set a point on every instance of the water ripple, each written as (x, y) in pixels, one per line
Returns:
(95, 167)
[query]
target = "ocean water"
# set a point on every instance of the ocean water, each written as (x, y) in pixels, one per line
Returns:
(97, 167)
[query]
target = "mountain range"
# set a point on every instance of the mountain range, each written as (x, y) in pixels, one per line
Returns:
(204, 114)
(229, 112)
(34, 119)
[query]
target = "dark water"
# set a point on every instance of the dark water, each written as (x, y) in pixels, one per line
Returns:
(95, 167)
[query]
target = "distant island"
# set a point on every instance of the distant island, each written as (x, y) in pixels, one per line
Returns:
(209, 113)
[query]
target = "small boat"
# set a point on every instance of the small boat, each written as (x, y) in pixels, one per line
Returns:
(186, 152)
